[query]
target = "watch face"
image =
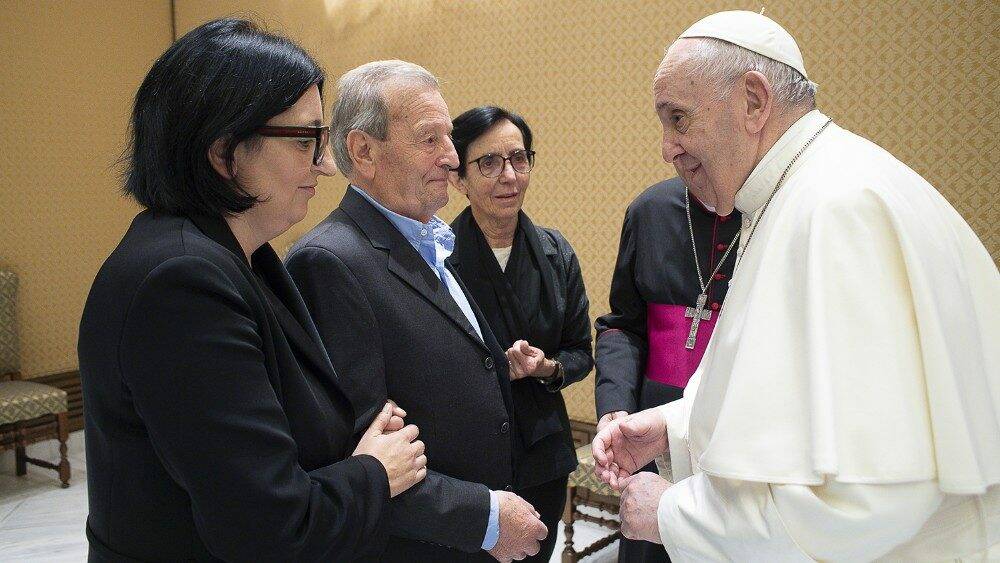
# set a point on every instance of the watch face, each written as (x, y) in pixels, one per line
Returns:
(556, 376)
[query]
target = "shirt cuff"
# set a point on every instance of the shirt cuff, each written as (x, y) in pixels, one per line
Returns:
(493, 525)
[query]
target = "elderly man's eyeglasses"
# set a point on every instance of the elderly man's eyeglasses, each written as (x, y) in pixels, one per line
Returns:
(320, 135)
(492, 165)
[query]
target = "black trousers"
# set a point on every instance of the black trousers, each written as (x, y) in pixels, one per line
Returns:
(549, 499)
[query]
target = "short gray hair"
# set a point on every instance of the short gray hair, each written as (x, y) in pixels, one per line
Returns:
(723, 63)
(361, 102)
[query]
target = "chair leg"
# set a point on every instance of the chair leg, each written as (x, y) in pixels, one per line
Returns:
(20, 458)
(568, 553)
(62, 424)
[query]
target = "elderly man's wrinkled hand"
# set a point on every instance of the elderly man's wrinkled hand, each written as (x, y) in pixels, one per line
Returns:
(640, 499)
(626, 445)
(521, 530)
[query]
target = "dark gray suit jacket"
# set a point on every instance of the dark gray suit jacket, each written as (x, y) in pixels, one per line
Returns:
(393, 331)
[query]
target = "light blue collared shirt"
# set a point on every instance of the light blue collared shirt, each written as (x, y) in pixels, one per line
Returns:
(434, 241)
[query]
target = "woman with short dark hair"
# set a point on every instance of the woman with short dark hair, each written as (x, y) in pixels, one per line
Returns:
(216, 426)
(527, 281)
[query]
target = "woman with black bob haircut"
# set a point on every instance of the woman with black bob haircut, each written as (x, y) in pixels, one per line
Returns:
(527, 281)
(216, 427)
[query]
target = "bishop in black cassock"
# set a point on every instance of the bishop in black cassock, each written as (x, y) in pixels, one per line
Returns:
(645, 354)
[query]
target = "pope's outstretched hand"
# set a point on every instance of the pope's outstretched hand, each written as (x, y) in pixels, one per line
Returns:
(640, 501)
(628, 444)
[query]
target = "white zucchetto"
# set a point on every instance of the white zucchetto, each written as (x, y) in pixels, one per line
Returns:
(752, 31)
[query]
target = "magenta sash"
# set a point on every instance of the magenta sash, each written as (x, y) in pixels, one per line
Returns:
(668, 361)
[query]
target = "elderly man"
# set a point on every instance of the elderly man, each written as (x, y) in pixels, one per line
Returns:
(848, 405)
(399, 324)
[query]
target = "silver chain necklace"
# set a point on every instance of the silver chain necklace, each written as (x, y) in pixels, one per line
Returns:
(698, 312)
(703, 285)
(753, 229)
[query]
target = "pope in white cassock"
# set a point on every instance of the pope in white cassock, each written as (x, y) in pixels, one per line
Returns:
(848, 405)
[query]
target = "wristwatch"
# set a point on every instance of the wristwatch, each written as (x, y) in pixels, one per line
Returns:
(554, 382)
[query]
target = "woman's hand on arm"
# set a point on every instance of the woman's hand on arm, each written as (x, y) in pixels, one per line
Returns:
(398, 450)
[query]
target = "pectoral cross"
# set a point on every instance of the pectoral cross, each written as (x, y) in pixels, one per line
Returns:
(696, 314)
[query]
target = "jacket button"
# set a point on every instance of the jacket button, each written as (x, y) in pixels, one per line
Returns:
(509, 488)
(488, 362)
(504, 427)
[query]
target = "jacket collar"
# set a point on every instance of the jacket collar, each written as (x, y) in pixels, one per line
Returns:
(407, 265)
(278, 289)
(547, 246)
(218, 230)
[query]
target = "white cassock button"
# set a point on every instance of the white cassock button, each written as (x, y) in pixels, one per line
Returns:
(746, 221)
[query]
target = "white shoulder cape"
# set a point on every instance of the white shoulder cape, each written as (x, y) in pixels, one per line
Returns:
(860, 338)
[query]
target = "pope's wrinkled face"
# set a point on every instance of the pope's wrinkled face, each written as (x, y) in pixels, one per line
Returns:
(703, 136)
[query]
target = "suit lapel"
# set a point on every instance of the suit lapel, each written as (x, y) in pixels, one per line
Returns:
(491, 345)
(285, 302)
(408, 266)
(291, 312)
(405, 263)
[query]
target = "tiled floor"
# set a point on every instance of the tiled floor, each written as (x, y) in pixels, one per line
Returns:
(41, 522)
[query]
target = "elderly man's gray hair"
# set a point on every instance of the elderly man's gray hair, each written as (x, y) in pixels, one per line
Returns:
(723, 63)
(361, 102)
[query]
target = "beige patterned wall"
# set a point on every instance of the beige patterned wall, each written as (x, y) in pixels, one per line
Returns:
(919, 78)
(68, 71)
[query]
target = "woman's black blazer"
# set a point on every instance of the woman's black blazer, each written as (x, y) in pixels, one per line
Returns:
(215, 424)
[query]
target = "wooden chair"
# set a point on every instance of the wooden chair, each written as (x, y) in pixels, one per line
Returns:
(29, 412)
(586, 489)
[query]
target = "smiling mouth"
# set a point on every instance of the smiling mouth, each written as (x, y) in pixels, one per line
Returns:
(507, 196)
(682, 166)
